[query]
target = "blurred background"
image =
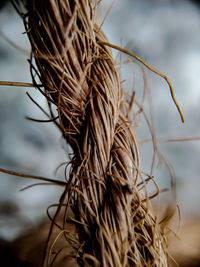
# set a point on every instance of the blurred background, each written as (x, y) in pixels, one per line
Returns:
(166, 34)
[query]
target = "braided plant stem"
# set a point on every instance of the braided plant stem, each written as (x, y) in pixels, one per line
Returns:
(109, 213)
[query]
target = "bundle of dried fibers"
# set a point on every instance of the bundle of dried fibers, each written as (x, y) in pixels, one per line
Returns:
(103, 218)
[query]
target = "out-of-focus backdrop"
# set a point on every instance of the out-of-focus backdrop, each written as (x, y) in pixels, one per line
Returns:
(166, 34)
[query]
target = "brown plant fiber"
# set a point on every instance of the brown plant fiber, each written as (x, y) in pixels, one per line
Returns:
(103, 218)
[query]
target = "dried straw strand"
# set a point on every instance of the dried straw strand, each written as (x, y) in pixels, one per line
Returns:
(113, 224)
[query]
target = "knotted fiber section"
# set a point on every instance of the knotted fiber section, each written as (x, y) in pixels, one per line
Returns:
(113, 225)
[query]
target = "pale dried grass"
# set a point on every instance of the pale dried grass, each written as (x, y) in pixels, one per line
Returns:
(103, 217)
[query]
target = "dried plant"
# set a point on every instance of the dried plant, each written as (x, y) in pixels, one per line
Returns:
(104, 216)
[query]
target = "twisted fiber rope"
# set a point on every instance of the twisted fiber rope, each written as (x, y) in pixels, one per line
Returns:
(112, 223)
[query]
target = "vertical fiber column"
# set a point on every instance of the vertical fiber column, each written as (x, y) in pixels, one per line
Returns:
(79, 76)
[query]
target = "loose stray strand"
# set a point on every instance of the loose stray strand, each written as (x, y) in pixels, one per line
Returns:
(151, 69)
(169, 140)
(19, 84)
(30, 176)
